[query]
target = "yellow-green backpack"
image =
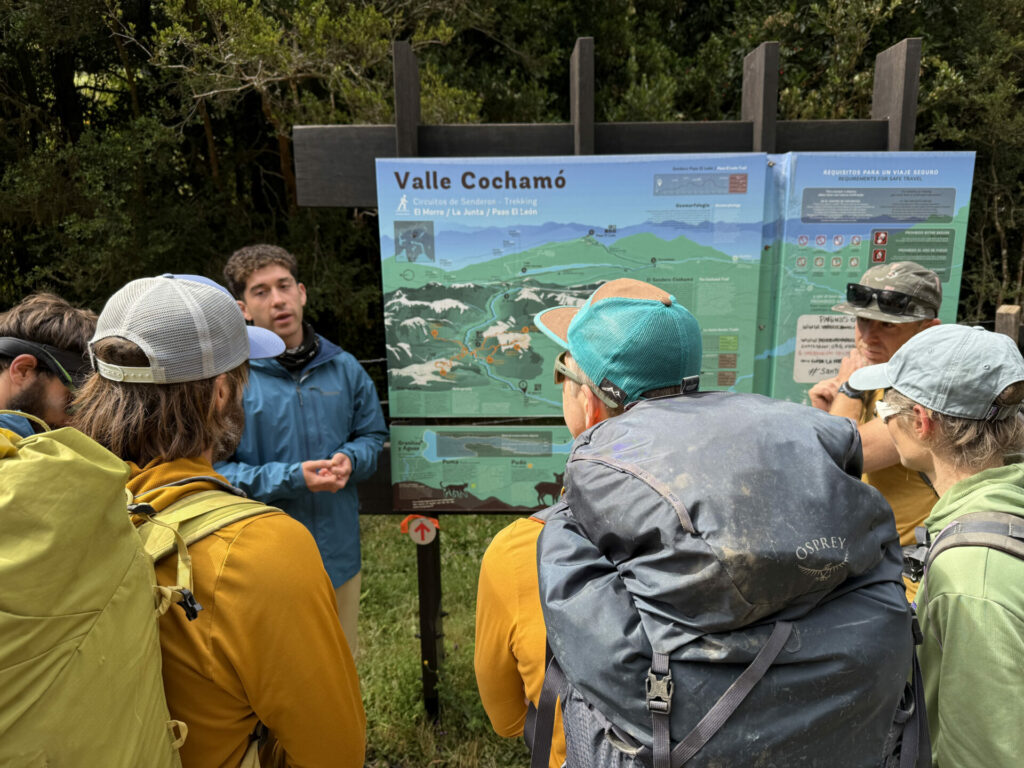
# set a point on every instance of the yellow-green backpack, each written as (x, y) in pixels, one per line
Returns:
(80, 668)
(80, 677)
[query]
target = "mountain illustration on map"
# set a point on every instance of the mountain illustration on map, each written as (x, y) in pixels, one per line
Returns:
(461, 245)
(451, 498)
(465, 331)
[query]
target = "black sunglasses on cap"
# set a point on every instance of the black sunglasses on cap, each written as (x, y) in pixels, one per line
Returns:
(893, 302)
(71, 367)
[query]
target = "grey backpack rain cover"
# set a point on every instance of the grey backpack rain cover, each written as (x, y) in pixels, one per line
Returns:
(694, 527)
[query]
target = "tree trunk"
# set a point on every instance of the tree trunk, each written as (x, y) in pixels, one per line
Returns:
(66, 101)
(284, 148)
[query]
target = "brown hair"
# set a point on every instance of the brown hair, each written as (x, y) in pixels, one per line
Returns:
(142, 422)
(245, 261)
(972, 444)
(47, 319)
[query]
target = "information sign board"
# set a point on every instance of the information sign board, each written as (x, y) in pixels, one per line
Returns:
(841, 213)
(472, 249)
(477, 469)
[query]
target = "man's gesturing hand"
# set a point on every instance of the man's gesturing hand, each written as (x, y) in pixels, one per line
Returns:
(319, 476)
(341, 466)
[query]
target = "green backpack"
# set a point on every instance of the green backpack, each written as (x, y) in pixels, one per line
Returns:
(80, 668)
(79, 646)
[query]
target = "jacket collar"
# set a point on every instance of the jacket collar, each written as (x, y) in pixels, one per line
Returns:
(328, 350)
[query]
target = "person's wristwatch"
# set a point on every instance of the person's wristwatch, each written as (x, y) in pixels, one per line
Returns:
(846, 389)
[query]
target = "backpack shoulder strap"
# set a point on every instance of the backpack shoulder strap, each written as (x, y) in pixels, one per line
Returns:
(996, 530)
(195, 517)
(539, 730)
(183, 523)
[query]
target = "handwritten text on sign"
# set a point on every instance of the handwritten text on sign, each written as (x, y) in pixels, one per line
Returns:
(822, 341)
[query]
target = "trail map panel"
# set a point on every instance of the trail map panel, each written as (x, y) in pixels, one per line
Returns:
(477, 469)
(841, 213)
(472, 249)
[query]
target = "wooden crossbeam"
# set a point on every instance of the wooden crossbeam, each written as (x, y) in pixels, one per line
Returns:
(334, 164)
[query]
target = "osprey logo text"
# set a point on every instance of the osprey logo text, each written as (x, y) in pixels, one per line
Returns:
(816, 545)
(809, 548)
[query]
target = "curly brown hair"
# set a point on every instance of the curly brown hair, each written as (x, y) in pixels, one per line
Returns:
(247, 260)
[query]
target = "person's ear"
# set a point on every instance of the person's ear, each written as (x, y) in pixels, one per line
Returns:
(222, 392)
(924, 426)
(593, 409)
(23, 369)
(245, 310)
(302, 295)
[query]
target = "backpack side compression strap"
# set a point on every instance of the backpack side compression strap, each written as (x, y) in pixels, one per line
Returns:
(996, 530)
(540, 731)
(733, 697)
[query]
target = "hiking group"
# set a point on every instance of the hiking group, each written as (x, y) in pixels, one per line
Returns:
(722, 580)
(719, 582)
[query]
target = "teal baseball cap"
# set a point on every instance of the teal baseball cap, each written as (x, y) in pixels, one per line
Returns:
(955, 370)
(632, 339)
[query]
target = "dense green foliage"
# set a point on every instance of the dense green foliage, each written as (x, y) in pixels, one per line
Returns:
(139, 136)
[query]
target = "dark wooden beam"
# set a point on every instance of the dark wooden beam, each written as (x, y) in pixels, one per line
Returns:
(581, 96)
(407, 100)
(648, 138)
(761, 94)
(897, 72)
(496, 140)
(334, 163)
(831, 136)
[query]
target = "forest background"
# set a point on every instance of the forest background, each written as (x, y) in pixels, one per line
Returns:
(145, 136)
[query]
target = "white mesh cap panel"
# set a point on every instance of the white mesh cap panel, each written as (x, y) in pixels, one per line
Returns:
(188, 330)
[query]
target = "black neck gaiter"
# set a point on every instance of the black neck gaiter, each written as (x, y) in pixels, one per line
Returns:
(298, 358)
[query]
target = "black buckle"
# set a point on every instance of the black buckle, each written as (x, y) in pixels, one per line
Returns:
(659, 692)
(914, 557)
(913, 562)
(189, 604)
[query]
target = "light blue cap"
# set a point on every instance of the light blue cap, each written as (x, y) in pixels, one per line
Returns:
(955, 370)
(263, 343)
(630, 338)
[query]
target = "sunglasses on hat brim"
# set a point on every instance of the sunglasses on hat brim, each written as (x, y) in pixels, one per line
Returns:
(562, 373)
(70, 367)
(892, 302)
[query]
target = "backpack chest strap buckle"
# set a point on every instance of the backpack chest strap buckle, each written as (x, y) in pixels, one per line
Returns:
(659, 692)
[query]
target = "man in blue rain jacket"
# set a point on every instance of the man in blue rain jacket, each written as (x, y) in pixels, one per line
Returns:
(313, 423)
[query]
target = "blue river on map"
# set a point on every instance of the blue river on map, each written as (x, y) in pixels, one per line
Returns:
(530, 449)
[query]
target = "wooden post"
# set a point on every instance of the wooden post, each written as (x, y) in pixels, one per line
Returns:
(761, 94)
(407, 100)
(428, 571)
(581, 95)
(897, 71)
(1008, 321)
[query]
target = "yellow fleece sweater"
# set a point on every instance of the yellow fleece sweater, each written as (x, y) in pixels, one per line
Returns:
(267, 645)
(511, 639)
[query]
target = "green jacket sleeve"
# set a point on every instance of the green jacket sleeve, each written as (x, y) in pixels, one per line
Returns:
(972, 659)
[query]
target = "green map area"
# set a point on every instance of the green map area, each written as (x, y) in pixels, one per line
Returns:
(463, 342)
